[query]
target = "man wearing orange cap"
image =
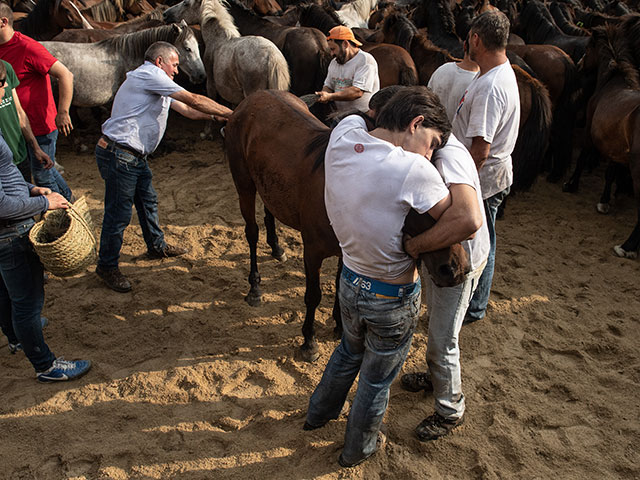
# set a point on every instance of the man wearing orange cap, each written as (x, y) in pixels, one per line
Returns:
(353, 74)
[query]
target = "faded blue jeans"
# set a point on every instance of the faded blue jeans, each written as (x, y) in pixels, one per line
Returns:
(478, 305)
(22, 294)
(446, 307)
(49, 178)
(127, 180)
(376, 338)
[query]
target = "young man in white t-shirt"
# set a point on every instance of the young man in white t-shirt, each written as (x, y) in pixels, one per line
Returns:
(352, 77)
(447, 305)
(372, 180)
(487, 122)
(450, 81)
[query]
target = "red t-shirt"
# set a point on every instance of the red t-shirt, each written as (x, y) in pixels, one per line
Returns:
(31, 62)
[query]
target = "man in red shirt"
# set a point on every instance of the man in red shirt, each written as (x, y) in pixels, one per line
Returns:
(33, 64)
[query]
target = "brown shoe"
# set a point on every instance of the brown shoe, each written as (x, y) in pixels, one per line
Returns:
(114, 279)
(436, 426)
(414, 382)
(168, 251)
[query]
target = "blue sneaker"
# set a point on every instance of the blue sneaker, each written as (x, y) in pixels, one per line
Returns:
(17, 347)
(63, 370)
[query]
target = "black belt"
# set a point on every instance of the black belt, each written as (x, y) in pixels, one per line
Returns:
(12, 223)
(119, 146)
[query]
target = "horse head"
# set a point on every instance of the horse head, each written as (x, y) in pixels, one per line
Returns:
(189, 52)
(66, 15)
(448, 266)
(187, 10)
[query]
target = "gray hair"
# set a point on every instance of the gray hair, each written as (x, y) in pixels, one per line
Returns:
(159, 49)
(493, 29)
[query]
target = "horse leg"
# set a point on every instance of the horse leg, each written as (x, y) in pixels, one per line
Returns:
(337, 313)
(272, 237)
(629, 249)
(248, 209)
(583, 159)
(603, 205)
(312, 296)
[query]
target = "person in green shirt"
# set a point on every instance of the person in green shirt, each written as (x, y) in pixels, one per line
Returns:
(15, 126)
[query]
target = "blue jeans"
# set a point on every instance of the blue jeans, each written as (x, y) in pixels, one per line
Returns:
(375, 341)
(49, 178)
(447, 307)
(127, 181)
(22, 294)
(478, 305)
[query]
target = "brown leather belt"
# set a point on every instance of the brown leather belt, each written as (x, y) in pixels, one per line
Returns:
(106, 142)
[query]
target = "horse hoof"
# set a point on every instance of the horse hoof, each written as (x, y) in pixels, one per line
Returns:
(280, 256)
(622, 253)
(253, 300)
(603, 208)
(310, 354)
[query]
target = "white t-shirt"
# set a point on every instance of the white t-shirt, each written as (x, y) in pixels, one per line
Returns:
(456, 166)
(449, 82)
(140, 108)
(362, 72)
(370, 186)
(490, 109)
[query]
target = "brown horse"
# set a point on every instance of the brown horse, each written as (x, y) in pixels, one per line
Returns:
(613, 112)
(49, 18)
(272, 142)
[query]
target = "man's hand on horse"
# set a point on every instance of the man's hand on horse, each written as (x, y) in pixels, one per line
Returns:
(63, 122)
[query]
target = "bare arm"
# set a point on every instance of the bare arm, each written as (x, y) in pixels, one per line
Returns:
(346, 95)
(479, 151)
(28, 135)
(65, 94)
(198, 107)
(457, 223)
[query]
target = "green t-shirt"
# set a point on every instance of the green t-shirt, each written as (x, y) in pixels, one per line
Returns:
(9, 121)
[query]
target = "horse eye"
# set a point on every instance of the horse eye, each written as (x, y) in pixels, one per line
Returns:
(187, 49)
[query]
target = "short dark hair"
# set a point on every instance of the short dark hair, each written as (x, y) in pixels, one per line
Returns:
(493, 29)
(410, 102)
(382, 96)
(5, 11)
(159, 49)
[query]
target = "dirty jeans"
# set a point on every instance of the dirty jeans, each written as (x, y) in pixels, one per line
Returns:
(447, 307)
(376, 339)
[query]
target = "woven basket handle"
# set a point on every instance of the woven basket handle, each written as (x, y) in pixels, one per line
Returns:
(75, 214)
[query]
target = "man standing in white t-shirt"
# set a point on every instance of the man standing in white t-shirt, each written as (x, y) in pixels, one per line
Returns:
(447, 305)
(352, 77)
(372, 180)
(451, 80)
(134, 130)
(487, 122)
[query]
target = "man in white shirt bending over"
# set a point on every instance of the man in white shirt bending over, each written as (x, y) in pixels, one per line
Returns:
(353, 74)
(486, 122)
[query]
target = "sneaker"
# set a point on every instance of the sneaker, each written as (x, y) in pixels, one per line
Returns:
(168, 251)
(343, 412)
(17, 347)
(63, 370)
(436, 426)
(381, 441)
(414, 382)
(114, 279)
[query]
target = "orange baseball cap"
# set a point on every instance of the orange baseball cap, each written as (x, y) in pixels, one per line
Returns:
(342, 33)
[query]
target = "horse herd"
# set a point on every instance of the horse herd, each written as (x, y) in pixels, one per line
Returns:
(576, 61)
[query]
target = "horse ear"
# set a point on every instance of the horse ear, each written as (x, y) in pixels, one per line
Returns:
(177, 27)
(183, 23)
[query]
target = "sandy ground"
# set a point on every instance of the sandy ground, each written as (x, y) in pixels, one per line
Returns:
(190, 382)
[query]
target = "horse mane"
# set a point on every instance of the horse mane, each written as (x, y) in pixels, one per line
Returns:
(134, 45)
(537, 22)
(242, 6)
(631, 27)
(563, 18)
(437, 17)
(403, 29)
(214, 10)
(615, 55)
(33, 24)
(106, 11)
(323, 19)
(362, 7)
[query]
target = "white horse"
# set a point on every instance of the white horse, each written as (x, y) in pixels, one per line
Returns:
(100, 68)
(236, 66)
(356, 14)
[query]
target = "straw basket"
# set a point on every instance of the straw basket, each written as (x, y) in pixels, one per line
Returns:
(64, 240)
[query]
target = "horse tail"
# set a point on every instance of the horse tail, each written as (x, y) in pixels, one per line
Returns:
(533, 135)
(408, 75)
(318, 147)
(279, 77)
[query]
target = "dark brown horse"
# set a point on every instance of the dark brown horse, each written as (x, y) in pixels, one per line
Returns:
(613, 112)
(272, 144)
(49, 18)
